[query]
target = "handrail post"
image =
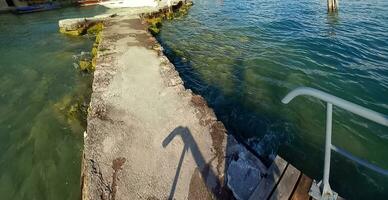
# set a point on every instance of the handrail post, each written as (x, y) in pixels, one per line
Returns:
(322, 190)
(326, 170)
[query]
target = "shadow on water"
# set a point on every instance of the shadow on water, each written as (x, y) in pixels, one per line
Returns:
(239, 120)
(280, 45)
(234, 116)
(265, 134)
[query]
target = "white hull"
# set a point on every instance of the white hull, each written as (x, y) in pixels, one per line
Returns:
(129, 3)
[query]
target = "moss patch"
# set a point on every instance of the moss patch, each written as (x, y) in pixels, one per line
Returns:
(154, 20)
(77, 32)
(75, 109)
(95, 50)
(183, 10)
(87, 28)
(154, 24)
(95, 28)
(86, 66)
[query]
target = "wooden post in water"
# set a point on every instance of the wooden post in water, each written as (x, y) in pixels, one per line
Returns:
(332, 5)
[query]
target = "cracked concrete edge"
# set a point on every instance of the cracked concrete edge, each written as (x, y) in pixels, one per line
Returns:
(95, 184)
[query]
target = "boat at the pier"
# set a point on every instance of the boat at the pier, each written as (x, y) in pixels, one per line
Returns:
(36, 7)
(119, 3)
(89, 2)
(129, 3)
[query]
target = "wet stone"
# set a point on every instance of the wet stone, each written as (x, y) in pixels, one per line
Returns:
(243, 176)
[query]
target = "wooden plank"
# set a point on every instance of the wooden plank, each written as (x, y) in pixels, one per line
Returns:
(286, 185)
(267, 184)
(302, 189)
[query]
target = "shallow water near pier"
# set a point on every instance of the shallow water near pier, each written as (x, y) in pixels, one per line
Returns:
(245, 56)
(41, 138)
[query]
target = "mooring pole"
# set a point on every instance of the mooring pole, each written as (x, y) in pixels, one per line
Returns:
(332, 5)
(169, 5)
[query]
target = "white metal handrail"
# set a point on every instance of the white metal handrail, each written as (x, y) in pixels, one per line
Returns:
(325, 190)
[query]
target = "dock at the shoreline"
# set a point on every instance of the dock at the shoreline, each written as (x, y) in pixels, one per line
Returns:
(283, 181)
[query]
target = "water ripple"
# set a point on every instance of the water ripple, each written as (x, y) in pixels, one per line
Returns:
(248, 54)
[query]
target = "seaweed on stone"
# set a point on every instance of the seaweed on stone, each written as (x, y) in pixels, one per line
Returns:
(95, 50)
(76, 32)
(86, 66)
(73, 107)
(154, 24)
(88, 63)
(95, 28)
(155, 19)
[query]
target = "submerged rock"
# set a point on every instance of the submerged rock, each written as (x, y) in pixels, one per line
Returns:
(72, 108)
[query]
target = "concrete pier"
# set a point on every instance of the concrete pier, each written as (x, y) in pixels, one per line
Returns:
(147, 136)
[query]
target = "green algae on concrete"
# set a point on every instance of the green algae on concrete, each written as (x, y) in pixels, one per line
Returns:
(84, 27)
(77, 32)
(74, 107)
(96, 48)
(86, 66)
(94, 30)
(154, 20)
(154, 24)
(183, 10)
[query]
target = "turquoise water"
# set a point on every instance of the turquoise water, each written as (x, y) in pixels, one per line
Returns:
(244, 56)
(40, 142)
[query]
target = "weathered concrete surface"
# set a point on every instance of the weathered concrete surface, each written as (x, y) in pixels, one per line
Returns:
(147, 136)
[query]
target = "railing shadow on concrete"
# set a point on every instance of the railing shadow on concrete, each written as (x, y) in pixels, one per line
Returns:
(189, 144)
(192, 80)
(214, 187)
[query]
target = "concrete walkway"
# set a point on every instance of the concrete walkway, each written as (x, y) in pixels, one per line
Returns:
(147, 136)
